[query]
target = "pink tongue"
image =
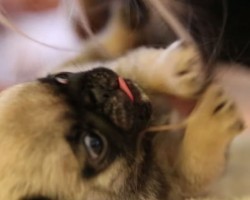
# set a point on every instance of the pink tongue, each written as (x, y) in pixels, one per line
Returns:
(124, 87)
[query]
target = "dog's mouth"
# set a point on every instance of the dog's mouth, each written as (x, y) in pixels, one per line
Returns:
(104, 94)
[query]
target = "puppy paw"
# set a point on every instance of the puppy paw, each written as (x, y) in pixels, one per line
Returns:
(210, 129)
(224, 112)
(216, 116)
(185, 71)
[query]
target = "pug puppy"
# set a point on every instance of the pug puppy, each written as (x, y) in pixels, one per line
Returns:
(75, 136)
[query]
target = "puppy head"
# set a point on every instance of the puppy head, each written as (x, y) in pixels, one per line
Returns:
(73, 136)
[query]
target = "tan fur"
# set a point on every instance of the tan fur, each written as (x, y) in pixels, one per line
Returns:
(36, 159)
(104, 45)
(204, 146)
(158, 70)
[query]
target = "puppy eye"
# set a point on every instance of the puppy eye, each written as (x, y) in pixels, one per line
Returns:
(95, 145)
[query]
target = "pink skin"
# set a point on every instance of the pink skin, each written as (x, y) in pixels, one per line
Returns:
(183, 106)
(124, 87)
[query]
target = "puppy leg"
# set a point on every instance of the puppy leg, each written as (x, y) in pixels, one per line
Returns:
(113, 41)
(176, 70)
(202, 155)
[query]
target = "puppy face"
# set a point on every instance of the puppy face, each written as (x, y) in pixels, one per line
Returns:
(74, 136)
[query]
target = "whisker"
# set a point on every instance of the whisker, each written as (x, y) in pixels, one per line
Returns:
(168, 127)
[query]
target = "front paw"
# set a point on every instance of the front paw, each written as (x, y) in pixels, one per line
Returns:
(217, 116)
(210, 129)
(185, 70)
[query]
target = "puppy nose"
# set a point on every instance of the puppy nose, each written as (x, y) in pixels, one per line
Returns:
(69, 83)
(72, 81)
(73, 85)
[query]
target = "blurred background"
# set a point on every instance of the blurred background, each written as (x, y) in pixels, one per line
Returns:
(22, 59)
(47, 21)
